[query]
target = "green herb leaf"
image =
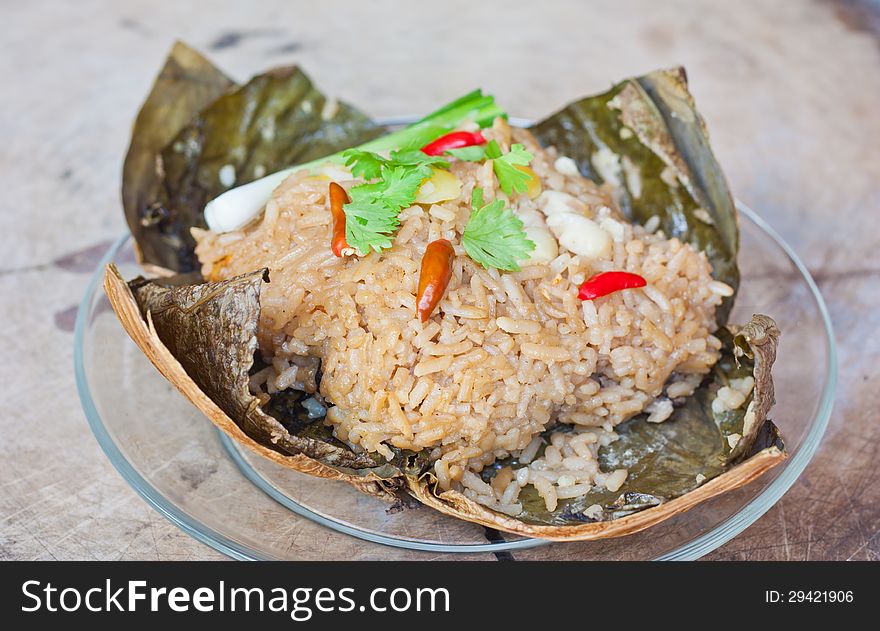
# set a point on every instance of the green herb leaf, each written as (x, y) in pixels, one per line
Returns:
(474, 153)
(510, 178)
(414, 157)
(365, 164)
(369, 223)
(517, 155)
(400, 185)
(493, 150)
(372, 214)
(476, 199)
(494, 235)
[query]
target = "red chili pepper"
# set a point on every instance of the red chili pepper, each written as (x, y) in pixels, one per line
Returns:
(434, 276)
(453, 140)
(338, 197)
(609, 282)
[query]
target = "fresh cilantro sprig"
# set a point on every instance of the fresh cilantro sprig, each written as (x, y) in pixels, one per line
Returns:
(494, 235)
(371, 218)
(510, 178)
(369, 223)
(368, 165)
(414, 157)
(474, 153)
(365, 164)
(398, 186)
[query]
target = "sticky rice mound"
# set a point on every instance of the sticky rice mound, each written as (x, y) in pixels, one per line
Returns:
(504, 356)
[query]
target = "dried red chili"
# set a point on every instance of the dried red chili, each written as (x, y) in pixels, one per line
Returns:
(453, 140)
(609, 282)
(434, 277)
(338, 244)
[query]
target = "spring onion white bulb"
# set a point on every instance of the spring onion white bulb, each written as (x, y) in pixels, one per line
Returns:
(237, 206)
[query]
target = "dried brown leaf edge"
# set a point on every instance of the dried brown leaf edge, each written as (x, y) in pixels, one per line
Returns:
(262, 434)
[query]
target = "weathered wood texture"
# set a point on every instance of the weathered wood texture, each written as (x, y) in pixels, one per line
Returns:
(790, 90)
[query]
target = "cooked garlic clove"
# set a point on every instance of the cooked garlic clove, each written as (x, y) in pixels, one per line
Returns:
(556, 202)
(580, 235)
(546, 248)
(531, 217)
(566, 166)
(440, 187)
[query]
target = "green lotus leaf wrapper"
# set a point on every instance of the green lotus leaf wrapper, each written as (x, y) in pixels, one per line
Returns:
(644, 137)
(197, 122)
(647, 137)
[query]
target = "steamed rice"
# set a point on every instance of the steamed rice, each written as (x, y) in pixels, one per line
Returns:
(504, 356)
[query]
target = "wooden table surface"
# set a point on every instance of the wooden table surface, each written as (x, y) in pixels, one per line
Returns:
(790, 91)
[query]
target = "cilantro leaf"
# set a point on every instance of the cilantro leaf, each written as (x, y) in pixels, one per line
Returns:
(414, 157)
(517, 155)
(510, 178)
(474, 153)
(493, 150)
(369, 224)
(400, 185)
(494, 235)
(365, 164)
(367, 192)
(476, 199)
(371, 217)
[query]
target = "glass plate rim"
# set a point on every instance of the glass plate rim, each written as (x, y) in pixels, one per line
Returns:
(693, 550)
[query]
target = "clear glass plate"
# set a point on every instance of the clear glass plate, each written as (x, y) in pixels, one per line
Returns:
(250, 508)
